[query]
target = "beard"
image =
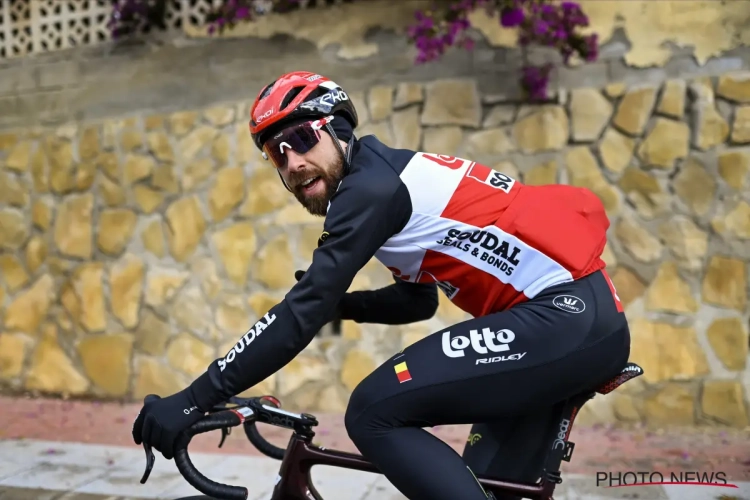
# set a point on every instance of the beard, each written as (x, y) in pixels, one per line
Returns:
(317, 204)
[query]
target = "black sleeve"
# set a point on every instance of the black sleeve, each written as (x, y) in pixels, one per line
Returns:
(365, 212)
(397, 304)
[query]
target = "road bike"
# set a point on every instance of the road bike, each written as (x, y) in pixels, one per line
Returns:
(300, 455)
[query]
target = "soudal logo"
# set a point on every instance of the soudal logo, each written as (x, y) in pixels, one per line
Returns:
(313, 78)
(493, 178)
(569, 303)
(245, 341)
(486, 247)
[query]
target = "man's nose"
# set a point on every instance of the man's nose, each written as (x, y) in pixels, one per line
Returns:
(294, 161)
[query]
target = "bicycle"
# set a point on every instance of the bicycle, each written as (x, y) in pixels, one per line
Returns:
(293, 480)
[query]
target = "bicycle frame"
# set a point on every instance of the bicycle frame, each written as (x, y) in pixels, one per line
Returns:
(294, 482)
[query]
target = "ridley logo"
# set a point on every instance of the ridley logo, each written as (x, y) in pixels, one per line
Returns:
(569, 303)
(497, 359)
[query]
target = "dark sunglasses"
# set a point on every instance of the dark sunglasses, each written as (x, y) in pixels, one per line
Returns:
(300, 138)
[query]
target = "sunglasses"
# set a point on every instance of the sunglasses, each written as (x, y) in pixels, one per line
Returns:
(300, 138)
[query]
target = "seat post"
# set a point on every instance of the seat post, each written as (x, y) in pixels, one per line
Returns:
(559, 447)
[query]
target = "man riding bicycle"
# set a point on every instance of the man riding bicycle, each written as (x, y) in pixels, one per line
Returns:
(524, 261)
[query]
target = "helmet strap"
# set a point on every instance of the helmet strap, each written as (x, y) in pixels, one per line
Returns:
(349, 147)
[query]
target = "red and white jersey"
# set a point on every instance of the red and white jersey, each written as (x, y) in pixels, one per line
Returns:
(486, 239)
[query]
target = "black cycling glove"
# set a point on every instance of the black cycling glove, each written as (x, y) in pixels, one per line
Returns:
(161, 420)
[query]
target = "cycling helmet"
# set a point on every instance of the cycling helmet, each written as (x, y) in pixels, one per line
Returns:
(294, 96)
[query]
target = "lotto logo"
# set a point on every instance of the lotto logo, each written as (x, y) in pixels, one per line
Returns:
(481, 343)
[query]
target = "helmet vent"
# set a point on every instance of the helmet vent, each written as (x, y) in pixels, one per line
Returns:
(267, 91)
(290, 96)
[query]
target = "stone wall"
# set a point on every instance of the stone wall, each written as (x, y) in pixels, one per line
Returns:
(137, 250)
(141, 234)
(642, 41)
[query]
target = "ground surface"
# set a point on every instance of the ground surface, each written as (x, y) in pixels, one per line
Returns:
(52, 449)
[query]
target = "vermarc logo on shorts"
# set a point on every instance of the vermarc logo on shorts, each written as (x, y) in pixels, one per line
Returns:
(569, 303)
(482, 343)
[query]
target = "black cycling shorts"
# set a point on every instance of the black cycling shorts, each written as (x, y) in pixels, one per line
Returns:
(504, 372)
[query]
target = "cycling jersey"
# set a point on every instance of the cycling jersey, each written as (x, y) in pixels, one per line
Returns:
(488, 241)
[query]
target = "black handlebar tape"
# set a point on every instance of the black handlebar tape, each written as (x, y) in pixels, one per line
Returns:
(187, 469)
(263, 446)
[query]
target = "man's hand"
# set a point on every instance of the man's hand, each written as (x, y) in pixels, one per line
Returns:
(161, 420)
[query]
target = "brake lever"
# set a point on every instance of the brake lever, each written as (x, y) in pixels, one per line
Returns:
(237, 401)
(225, 431)
(150, 460)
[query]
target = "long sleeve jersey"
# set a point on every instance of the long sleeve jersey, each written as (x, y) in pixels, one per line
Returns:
(485, 239)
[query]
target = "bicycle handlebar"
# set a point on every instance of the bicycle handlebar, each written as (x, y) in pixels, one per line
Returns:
(262, 445)
(200, 482)
(247, 412)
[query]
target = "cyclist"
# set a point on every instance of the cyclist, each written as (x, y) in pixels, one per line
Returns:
(523, 261)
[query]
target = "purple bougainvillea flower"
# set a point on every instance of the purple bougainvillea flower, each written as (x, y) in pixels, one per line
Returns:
(511, 17)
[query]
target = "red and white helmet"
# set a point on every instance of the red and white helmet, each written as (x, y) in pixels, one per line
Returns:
(295, 95)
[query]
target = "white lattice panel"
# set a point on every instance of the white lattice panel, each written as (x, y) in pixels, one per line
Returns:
(64, 24)
(15, 28)
(34, 26)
